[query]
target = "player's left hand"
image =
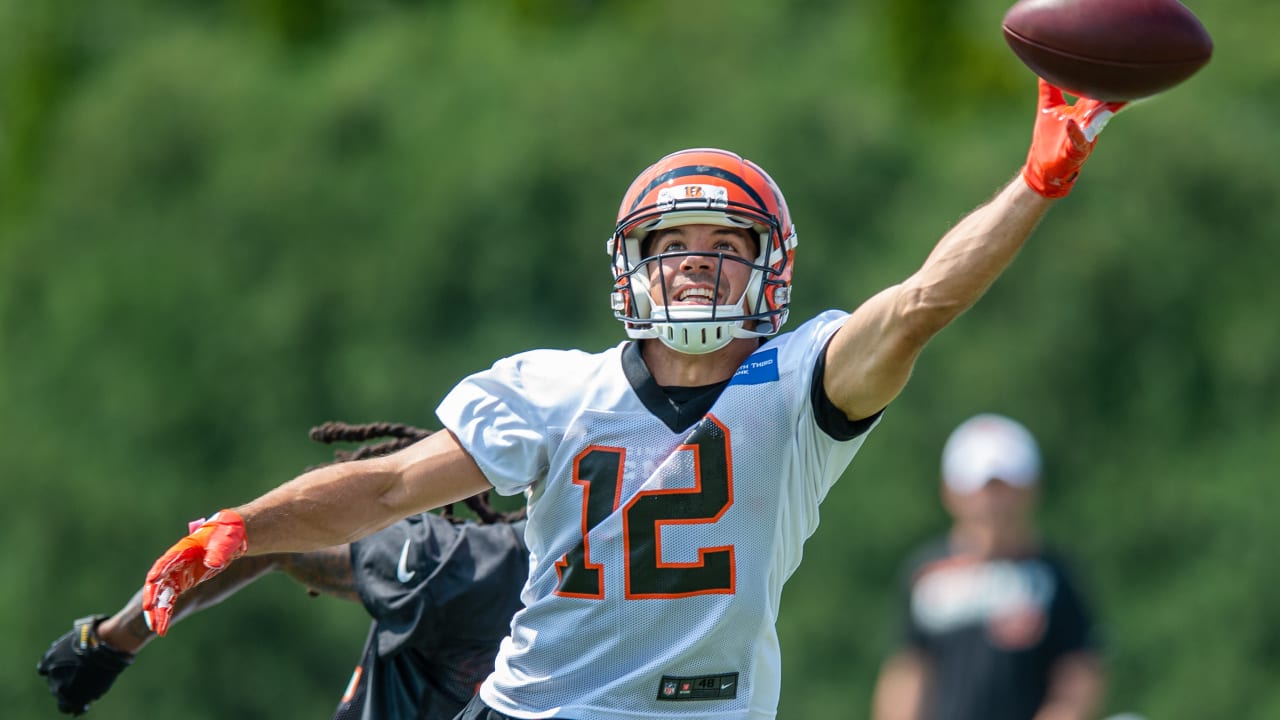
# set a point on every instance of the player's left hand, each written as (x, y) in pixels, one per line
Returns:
(199, 556)
(80, 668)
(1063, 138)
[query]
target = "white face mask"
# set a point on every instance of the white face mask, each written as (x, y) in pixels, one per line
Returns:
(696, 329)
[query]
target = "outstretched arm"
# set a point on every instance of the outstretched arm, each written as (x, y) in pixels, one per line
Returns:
(327, 506)
(127, 630)
(83, 664)
(326, 571)
(870, 358)
(339, 503)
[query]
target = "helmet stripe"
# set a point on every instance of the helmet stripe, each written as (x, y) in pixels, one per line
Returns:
(688, 170)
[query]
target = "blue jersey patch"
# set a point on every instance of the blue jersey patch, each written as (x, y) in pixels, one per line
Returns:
(761, 367)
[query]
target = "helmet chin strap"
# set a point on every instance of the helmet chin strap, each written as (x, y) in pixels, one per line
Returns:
(689, 335)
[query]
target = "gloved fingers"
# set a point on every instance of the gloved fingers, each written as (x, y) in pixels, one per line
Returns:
(1050, 96)
(79, 668)
(183, 554)
(151, 620)
(157, 620)
(190, 561)
(157, 604)
(1115, 107)
(1094, 116)
(1094, 125)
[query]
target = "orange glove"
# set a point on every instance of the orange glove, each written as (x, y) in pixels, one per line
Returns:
(1064, 136)
(210, 547)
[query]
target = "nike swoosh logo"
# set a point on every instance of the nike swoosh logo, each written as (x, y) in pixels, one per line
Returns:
(403, 573)
(726, 686)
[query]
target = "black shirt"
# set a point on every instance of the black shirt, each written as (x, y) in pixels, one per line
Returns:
(991, 630)
(441, 595)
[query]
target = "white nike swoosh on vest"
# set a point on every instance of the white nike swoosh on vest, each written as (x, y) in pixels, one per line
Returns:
(403, 573)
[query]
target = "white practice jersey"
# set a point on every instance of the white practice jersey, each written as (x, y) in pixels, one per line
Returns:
(658, 555)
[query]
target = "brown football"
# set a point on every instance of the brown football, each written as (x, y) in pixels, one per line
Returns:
(1108, 49)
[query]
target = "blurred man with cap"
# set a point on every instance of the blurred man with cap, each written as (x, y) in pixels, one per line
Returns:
(994, 628)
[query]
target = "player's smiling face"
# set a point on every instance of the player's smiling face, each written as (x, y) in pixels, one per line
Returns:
(700, 279)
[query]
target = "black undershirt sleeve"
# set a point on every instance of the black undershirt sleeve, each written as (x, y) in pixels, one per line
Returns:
(830, 418)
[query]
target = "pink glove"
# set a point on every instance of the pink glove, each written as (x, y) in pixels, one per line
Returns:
(199, 556)
(1064, 136)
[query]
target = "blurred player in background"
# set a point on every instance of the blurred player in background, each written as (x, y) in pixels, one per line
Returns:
(673, 479)
(441, 592)
(995, 629)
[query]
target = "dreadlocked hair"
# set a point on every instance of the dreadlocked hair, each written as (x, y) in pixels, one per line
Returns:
(391, 437)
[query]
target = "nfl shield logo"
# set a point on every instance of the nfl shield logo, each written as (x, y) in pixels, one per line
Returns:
(669, 688)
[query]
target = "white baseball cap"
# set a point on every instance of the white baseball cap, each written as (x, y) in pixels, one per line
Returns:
(989, 447)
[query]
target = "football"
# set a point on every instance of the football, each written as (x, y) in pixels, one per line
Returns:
(1113, 50)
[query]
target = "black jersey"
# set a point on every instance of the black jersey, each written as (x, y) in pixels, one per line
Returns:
(441, 595)
(991, 630)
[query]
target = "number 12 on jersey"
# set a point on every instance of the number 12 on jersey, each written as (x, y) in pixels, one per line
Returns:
(598, 470)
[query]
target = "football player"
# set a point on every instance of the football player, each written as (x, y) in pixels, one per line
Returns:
(672, 479)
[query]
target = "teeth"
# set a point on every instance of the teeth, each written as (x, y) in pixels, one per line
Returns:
(695, 293)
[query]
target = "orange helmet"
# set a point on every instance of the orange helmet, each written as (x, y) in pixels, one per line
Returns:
(712, 187)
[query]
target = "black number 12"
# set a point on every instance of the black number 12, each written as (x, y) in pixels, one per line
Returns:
(599, 470)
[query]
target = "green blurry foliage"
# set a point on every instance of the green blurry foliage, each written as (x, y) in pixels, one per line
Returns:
(222, 223)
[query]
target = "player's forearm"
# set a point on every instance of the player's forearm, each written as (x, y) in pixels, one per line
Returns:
(327, 506)
(325, 571)
(969, 258)
(870, 358)
(127, 630)
(336, 504)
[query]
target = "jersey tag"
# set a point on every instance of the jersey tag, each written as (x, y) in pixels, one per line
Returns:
(762, 367)
(703, 687)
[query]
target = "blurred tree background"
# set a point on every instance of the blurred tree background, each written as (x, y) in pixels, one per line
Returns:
(222, 223)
